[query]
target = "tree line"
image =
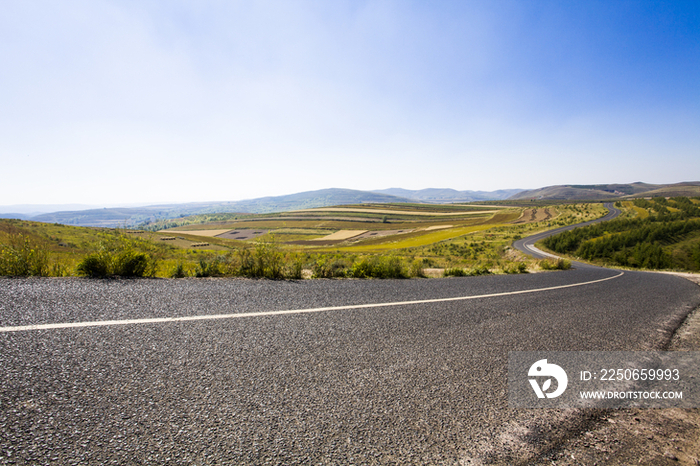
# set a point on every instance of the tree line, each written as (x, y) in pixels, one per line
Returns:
(668, 239)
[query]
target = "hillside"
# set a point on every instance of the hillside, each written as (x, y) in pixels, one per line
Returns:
(610, 191)
(663, 234)
(134, 216)
(312, 199)
(450, 195)
(129, 217)
(370, 240)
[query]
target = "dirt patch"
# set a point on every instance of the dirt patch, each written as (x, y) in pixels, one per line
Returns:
(535, 215)
(634, 436)
(242, 235)
(341, 235)
(514, 255)
(380, 233)
(526, 216)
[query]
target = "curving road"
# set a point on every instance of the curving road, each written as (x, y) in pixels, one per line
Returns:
(232, 371)
(527, 245)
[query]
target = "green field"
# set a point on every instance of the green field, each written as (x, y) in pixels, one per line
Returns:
(402, 238)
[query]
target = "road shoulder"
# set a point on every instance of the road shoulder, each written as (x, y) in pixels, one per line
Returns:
(640, 436)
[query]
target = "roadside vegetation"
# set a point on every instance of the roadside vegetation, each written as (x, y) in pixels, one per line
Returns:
(401, 241)
(662, 234)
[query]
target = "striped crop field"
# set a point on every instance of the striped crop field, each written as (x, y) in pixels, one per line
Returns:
(417, 239)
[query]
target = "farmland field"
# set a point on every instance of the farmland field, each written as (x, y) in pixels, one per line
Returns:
(302, 243)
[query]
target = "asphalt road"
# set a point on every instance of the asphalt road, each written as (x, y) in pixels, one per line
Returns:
(410, 383)
(527, 245)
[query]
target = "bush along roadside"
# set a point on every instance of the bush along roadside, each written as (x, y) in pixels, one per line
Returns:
(20, 257)
(265, 260)
(118, 257)
(555, 264)
(369, 266)
(461, 272)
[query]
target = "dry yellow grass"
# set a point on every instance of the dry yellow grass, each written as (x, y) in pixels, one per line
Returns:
(419, 240)
(641, 213)
(341, 235)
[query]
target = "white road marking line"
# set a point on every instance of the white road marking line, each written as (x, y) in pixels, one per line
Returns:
(532, 248)
(104, 323)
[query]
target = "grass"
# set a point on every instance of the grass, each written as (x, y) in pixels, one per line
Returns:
(640, 212)
(555, 264)
(475, 241)
(19, 257)
(411, 240)
(461, 272)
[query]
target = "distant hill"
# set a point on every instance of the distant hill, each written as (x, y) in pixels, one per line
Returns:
(16, 215)
(449, 195)
(32, 210)
(133, 216)
(610, 191)
(311, 199)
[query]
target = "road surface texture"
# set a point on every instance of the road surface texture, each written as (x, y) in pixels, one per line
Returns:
(393, 383)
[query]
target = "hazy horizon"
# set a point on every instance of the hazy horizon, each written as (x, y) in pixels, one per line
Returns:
(49, 208)
(111, 103)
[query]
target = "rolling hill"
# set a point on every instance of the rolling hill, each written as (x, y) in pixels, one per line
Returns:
(129, 217)
(134, 216)
(610, 191)
(450, 195)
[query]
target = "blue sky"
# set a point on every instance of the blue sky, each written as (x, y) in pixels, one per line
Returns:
(109, 102)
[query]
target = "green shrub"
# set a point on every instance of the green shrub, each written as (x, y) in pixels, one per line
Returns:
(245, 263)
(179, 271)
(210, 267)
(455, 272)
(378, 267)
(416, 269)
(118, 257)
(59, 270)
(329, 267)
(22, 258)
(518, 267)
(558, 264)
(479, 270)
(268, 260)
(295, 267)
(130, 263)
(94, 266)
